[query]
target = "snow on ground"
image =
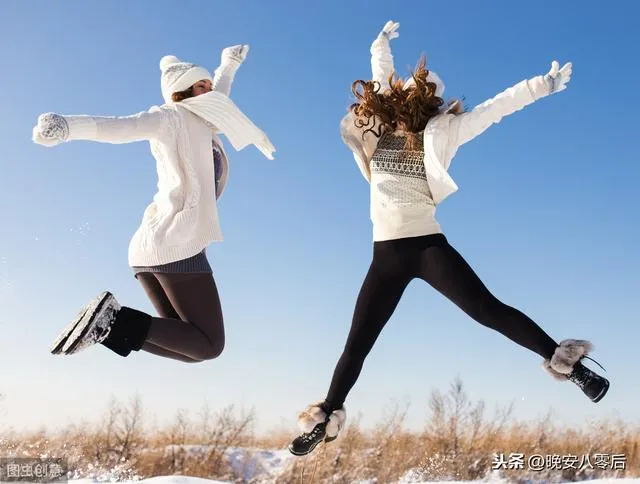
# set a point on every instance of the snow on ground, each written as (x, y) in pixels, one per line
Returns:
(197, 480)
(267, 465)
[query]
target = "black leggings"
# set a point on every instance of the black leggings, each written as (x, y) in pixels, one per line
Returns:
(395, 263)
(190, 327)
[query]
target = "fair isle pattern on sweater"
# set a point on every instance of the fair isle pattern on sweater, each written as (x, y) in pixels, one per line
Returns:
(401, 200)
(392, 159)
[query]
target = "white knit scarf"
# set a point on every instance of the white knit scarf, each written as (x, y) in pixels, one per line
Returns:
(221, 112)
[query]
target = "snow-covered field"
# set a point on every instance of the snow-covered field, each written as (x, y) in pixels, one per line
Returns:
(197, 480)
(272, 466)
(259, 465)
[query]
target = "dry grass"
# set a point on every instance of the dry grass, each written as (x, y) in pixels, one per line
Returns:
(459, 441)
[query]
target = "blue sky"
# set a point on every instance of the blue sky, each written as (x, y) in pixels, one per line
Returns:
(546, 212)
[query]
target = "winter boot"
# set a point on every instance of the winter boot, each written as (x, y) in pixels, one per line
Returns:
(128, 332)
(104, 321)
(86, 315)
(566, 364)
(317, 425)
(58, 344)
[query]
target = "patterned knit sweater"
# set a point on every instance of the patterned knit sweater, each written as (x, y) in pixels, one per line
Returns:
(401, 202)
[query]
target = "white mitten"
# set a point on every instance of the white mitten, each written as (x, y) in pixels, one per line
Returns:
(237, 53)
(554, 81)
(557, 79)
(51, 130)
(390, 30)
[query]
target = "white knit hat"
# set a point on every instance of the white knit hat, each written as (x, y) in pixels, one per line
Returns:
(451, 106)
(177, 75)
(431, 77)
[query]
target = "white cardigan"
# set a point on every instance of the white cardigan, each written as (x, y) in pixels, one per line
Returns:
(444, 133)
(183, 217)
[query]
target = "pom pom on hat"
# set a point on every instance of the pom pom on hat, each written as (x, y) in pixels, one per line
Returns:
(167, 60)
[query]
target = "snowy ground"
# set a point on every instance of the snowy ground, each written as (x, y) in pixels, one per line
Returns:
(196, 480)
(247, 464)
(260, 465)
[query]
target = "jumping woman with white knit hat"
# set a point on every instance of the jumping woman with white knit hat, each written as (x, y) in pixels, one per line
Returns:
(167, 252)
(403, 137)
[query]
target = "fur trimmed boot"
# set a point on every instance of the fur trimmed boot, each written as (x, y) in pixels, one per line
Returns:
(566, 364)
(317, 426)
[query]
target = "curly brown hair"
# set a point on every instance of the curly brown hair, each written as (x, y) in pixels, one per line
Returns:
(396, 107)
(176, 97)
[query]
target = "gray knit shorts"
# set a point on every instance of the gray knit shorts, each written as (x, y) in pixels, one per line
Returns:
(197, 264)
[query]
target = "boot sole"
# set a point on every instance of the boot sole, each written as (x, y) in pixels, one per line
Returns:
(62, 338)
(602, 393)
(301, 454)
(326, 440)
(86, 322)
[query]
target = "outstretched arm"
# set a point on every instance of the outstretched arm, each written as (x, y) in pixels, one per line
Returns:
(466, 126)
(381, 57)
(53, 128)
(230, 60)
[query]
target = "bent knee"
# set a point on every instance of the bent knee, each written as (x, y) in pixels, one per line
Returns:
(211, 351)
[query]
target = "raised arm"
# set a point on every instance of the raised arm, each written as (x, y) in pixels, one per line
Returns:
(53, 128)
(464, 127)
(381, 57)
(230, 59)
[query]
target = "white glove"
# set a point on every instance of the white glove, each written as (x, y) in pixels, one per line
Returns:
(51, 129)
(389, 31)
(237, 53)
(557, 79)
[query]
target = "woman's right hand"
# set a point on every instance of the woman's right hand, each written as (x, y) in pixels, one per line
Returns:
(389, 31)
(557, 78)
(51, 129)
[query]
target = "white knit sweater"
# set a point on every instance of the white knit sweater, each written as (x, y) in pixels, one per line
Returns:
(183, 217)
(444, 133)
(401, 201)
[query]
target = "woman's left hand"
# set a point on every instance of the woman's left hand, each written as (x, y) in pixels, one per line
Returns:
(237, 53)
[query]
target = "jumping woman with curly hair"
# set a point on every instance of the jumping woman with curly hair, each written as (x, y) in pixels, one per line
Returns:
(403, 136)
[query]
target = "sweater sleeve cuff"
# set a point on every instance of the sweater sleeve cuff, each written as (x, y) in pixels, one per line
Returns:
(538, 87)
(81, 127)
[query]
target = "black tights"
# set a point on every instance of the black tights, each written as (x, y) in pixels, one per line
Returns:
(395, 263)
(190, 326)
